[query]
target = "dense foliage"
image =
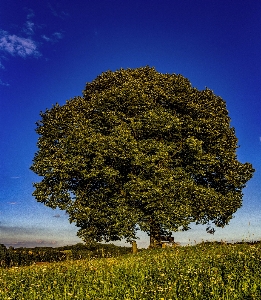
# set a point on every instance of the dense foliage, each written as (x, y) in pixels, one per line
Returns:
(140, 150)
(205, 271)
(27, 256)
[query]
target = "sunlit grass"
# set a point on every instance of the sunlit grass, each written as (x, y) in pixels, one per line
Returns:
(204, 271)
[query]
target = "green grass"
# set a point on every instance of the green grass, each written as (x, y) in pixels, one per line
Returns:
(204, 271)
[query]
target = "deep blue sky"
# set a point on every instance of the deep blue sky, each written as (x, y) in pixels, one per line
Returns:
(50, 49)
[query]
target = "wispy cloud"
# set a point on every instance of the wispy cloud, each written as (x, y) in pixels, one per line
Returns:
(55, 37)
(26, 42)
(29, 28)
(58, 35)
(30, 13)
(17, 236)
(4, 83)
(57, 12)
(46, 38)
(2, 66)
(16, 230)
(30, 243)
(18, 46)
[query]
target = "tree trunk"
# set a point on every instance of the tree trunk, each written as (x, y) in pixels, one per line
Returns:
(155, 235)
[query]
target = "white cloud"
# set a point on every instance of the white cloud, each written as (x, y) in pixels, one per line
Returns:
(18, 46)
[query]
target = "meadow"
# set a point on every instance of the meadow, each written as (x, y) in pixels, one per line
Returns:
(204, 271)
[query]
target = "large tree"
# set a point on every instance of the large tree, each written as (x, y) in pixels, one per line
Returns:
(140, 150)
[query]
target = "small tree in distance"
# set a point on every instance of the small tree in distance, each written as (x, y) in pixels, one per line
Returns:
(140, 150)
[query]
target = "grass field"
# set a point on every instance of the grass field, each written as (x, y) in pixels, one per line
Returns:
(204, 271)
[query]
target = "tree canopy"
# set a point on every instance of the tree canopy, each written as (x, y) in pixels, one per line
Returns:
(139, 150)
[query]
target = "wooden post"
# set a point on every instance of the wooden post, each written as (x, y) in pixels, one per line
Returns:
(134, 247)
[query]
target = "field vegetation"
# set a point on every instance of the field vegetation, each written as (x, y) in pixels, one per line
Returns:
(204, 271)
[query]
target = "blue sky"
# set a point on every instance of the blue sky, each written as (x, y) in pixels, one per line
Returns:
(50, 49)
